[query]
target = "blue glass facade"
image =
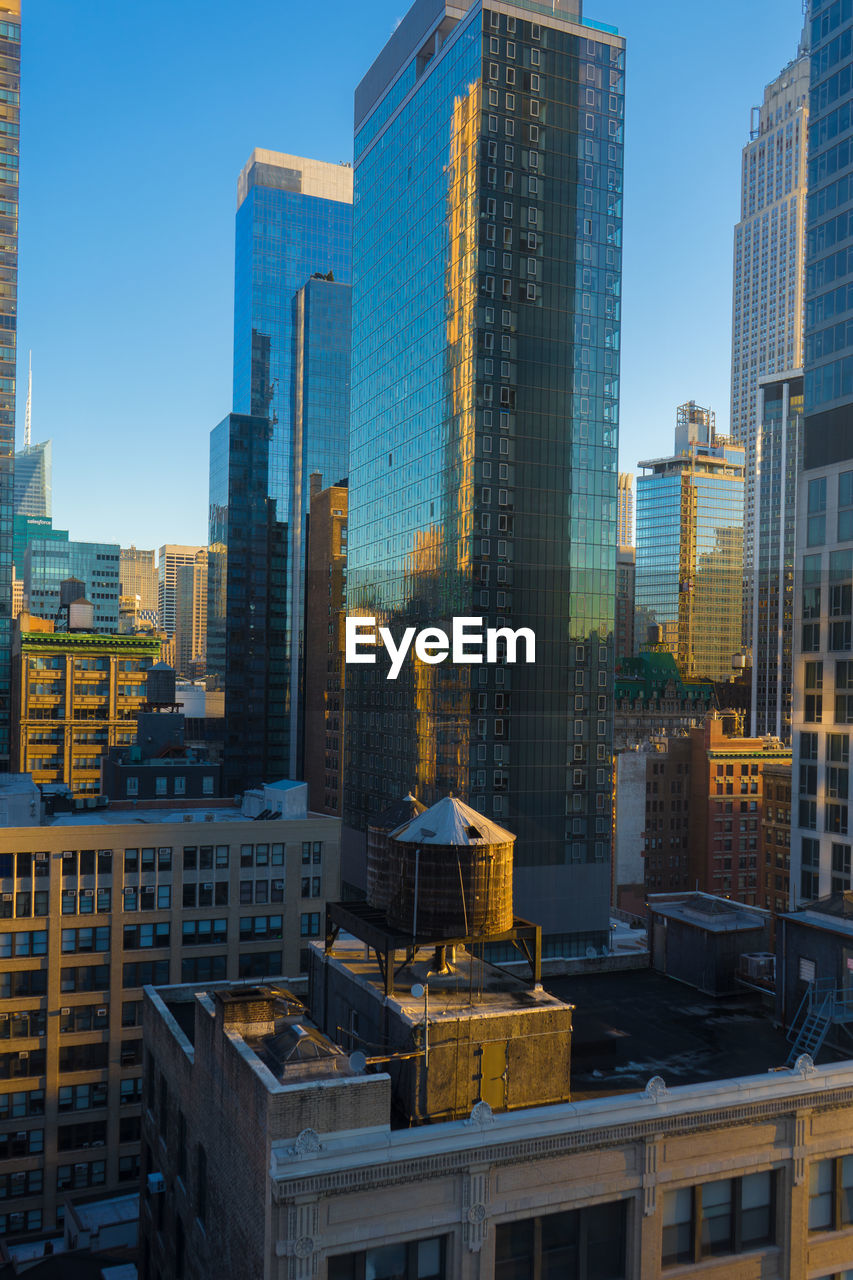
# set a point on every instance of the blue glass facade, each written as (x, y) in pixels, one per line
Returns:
(25, 529)
(10, 94)
(828, 357)
(486, 315)
(34, 480)
(47, 563)
(245, 603)
(294, 219)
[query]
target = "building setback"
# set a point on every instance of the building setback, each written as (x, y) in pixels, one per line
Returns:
(483, 459)
(90, 915)
(325, 671)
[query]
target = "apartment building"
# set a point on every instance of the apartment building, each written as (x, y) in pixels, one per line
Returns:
(91, 914)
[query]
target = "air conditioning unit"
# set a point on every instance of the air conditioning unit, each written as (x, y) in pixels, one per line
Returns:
(24, 1054)
(100, 1013)
(156, 1184)
(64, 1012)
(7, 897)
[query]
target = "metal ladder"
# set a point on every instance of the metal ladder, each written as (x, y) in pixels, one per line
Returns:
(812, 1020)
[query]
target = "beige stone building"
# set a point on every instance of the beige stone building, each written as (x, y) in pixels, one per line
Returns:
(269, 1152)
(94, 906)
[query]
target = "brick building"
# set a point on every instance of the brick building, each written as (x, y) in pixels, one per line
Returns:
(775, 838)
(704, 807)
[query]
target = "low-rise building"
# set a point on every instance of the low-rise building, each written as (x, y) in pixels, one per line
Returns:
(775, 841)
(652, 699)
(75, 694)
(90, 915)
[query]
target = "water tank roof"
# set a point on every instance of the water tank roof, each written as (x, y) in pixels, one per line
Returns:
(161, 666)
(398, 813)
(450, 822)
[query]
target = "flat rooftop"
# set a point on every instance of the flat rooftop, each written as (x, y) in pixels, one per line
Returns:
(631, 1025)
(470, 989)
(129, 817)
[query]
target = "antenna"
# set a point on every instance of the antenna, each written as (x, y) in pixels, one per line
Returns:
(28, 415)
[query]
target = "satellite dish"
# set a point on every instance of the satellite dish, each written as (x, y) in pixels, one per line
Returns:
(357, 1061)
(418, 991)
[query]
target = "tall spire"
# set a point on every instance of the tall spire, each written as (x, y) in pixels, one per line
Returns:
(28, 415)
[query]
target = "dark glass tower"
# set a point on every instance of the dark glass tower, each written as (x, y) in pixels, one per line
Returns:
(10, 95)
(245, 602)
(822, 713)
(294, 219)
(483, 472)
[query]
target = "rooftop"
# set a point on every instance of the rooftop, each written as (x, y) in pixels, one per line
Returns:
(629, 1026)
(705, 911)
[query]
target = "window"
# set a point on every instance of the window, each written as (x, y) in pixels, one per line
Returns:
(412, 1260)
(583, 1243)
(831, 1194)
(845, 507)
(816, 521)
(83, 1097)
(731, 1215)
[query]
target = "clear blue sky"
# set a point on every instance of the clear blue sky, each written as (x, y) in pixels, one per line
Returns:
(136, 123)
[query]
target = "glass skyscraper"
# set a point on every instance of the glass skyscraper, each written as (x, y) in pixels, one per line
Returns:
(778, 458)
(34, 480)
(294, 221)
(690, 548)
(483, 466)
(769, 267)
(821, 843)
(49, 561)
(246, 603)
(10, 97)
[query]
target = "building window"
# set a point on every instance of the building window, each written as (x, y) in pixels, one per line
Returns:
(731, 1215)
(831, 1194)
(816, 523)
(412, 1260)
(587, 1244)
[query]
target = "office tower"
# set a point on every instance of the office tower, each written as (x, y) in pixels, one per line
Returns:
(90, 915)
(321, 412)
(169, 561)
(33, 480)
(625, 509)
(486, 316)
(139, 578)
(626, 570)
(325, 672)
(291, 368)
(191, 616)
(48, 562)
(823, 576)
(26, 529)
(690, 547)
(246, 603)
(10, 86)
(778, 459)
(769, 258)
(75, 694)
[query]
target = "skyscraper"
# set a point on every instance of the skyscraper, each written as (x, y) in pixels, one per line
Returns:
(823, 670)
(191, 616)
(138, 576)
(34, 480)
(291, 367)
(246, 603)
(690, 547)
(10, 90)
(769, 257)
(778, 458)
(486, 316)
(169, 561)
(49, 561)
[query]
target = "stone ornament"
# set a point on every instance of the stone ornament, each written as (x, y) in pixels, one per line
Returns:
(476, 1213)
(481, 1116)
(307, 1143)
(805, 1065)
(304, 1247)
(656, 1089)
